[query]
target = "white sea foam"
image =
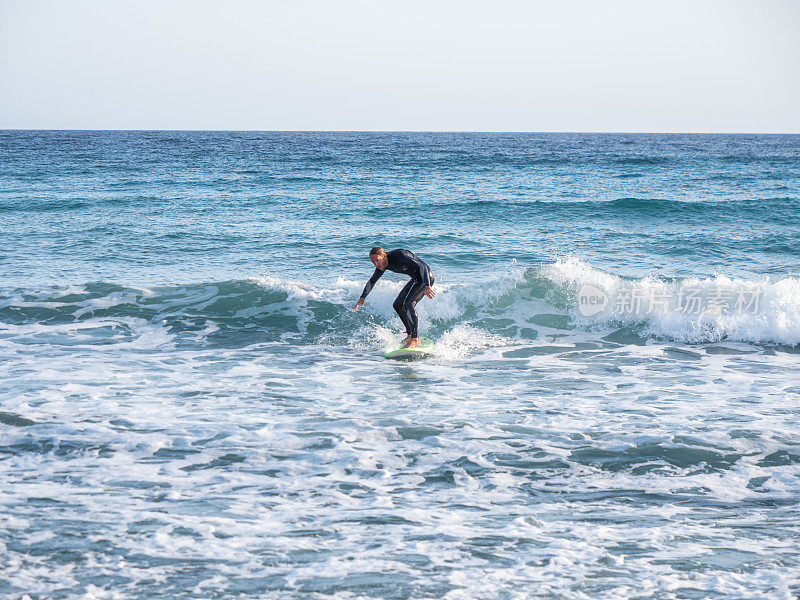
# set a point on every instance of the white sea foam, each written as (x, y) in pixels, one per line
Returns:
(774, 320)
(313, 469)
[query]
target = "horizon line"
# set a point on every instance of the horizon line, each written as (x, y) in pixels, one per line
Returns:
(215, 130)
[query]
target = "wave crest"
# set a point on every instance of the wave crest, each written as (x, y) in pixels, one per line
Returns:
(692, 310)
(521, 304)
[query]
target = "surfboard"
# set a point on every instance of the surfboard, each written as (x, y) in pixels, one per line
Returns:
(424, 349)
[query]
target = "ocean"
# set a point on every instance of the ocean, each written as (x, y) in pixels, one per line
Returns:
(190, 407)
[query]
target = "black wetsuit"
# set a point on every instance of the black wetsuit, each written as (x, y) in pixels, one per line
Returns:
(403, 261)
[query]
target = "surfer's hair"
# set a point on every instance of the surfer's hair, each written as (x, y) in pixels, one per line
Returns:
(377, 250)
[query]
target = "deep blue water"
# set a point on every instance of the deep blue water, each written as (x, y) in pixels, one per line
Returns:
(190, 408)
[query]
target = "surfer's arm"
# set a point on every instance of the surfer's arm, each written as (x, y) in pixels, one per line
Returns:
(372, 280)
(423, 270)
(368, 288)
(425, 275)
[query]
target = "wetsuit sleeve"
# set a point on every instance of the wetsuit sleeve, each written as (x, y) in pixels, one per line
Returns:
(426, 274)
(424, 270)
(368, 288)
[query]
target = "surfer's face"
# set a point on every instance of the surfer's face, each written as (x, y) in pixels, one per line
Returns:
(379, 261)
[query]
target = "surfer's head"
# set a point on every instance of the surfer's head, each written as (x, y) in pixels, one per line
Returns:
(378, 257)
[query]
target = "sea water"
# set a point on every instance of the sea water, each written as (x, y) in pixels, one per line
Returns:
(190, 407)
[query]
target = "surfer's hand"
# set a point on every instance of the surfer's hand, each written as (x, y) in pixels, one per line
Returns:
(360, 303)
(429, 292)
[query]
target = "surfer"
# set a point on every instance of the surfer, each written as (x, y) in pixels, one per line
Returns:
(402, 261)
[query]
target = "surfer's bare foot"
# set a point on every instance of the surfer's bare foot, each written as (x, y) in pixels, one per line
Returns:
(411, 343)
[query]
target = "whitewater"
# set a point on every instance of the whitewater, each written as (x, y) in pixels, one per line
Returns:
(190, 407)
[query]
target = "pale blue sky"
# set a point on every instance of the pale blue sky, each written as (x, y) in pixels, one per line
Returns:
(573, 65)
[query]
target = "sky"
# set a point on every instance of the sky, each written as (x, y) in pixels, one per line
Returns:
(432, 65)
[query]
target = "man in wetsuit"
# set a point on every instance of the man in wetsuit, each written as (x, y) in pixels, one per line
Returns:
(402, 261)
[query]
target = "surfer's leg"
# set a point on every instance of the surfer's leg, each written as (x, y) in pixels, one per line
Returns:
(400, 306)
(415, 293)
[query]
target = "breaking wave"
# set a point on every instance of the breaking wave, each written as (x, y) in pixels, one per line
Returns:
(519, 305)
(691, 310)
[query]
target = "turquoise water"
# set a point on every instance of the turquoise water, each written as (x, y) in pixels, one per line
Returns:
(190, 408)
